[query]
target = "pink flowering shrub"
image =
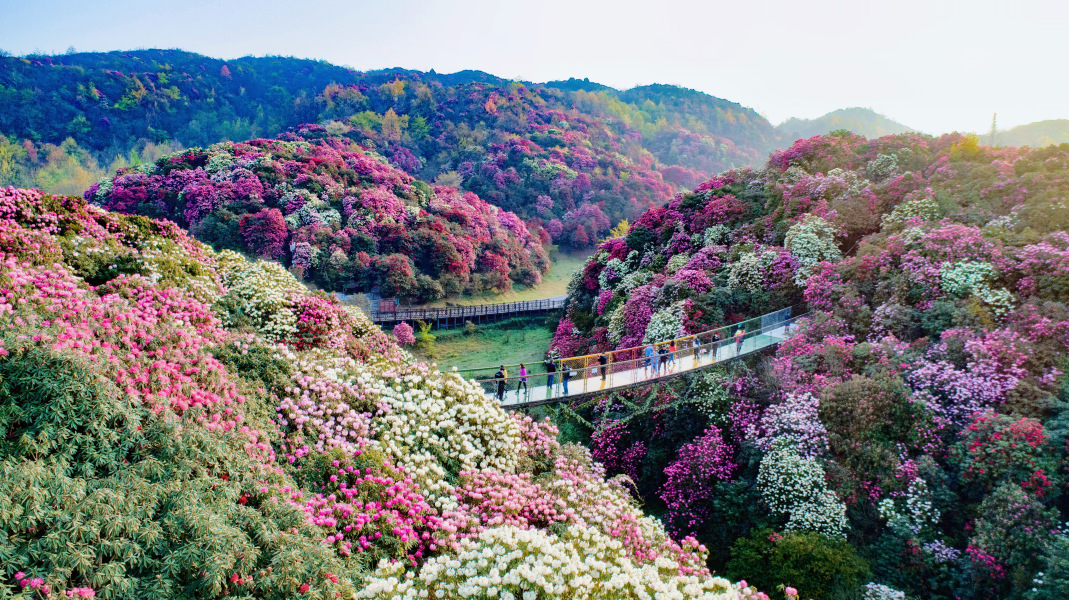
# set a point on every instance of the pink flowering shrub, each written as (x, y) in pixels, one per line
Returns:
(566, 339)
(402, 332)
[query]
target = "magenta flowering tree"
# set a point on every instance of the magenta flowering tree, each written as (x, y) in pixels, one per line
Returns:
(265, 233)
(690, 480)
(402, 332)
(566, 339)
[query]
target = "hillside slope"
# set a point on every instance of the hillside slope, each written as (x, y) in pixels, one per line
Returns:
(337, 215)
(915, 429)
(178, 423)
(1036, 135)
(860, 121)
(69, 117)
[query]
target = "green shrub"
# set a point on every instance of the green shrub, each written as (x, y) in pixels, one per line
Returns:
(820, 567)
(424, 338)
(97, 491)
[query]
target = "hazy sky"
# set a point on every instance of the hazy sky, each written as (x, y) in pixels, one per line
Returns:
(934, 65)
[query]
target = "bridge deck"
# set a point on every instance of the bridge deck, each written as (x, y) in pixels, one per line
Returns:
(589, 380)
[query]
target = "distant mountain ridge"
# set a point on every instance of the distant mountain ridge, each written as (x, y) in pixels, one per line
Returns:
(1036, 135)
(568, 154)
(862, 121)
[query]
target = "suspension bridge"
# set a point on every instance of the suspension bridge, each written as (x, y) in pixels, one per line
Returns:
(578, 377)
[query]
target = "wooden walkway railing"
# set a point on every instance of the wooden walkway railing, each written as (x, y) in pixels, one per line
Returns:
(444, 318)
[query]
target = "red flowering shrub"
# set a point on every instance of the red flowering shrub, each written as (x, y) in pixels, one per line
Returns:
(265, 233)
(998, 448)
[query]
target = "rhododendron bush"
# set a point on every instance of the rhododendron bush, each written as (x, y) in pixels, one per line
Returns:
(176, 422)
(337, 214)
(919, 409)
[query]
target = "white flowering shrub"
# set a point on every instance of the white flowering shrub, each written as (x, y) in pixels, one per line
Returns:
(428, 415)
(811, 241)
(924, 208)
(676, 263)
(837, 185)
(219, 160)
(973, 278)
(821, 514)
(717, 234)
(965, 277)
(749, 271)
(511, 563)
(915, 514)
(262, 290)
(710, 394)
(633, 280)
(795, 485)
(878, 591)
(882, 167)
(665, 324)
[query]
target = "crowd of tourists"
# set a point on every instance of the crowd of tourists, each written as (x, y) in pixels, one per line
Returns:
(657, 359)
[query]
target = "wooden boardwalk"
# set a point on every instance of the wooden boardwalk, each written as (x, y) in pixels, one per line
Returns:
(444, 318)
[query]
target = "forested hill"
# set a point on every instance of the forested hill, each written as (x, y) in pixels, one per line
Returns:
(1036, 135)
(70, 120)
(862, 121)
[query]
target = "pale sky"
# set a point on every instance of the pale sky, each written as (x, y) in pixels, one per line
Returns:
(935, 65)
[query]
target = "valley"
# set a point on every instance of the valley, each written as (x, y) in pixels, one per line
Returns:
(835, 349)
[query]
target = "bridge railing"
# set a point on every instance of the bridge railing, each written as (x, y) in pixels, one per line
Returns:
(463, 312)
(750, 326)
(581, 375)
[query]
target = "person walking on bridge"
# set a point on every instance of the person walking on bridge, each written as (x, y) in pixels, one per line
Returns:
(648, 353)
(523, 381)
(603, 359)
(740, 333)
(500, 377)
(551, 375)
(671, 356)
(565, 375)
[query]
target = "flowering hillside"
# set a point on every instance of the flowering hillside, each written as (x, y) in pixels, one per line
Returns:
(914, 432)
(177, 423)
(336, 214)
(576, 156)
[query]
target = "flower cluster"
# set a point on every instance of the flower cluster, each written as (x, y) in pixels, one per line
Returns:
(793, 484)
(795, 419)
(523, 564)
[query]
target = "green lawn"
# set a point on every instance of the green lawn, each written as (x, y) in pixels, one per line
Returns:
(554, 283)
(491, 345)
